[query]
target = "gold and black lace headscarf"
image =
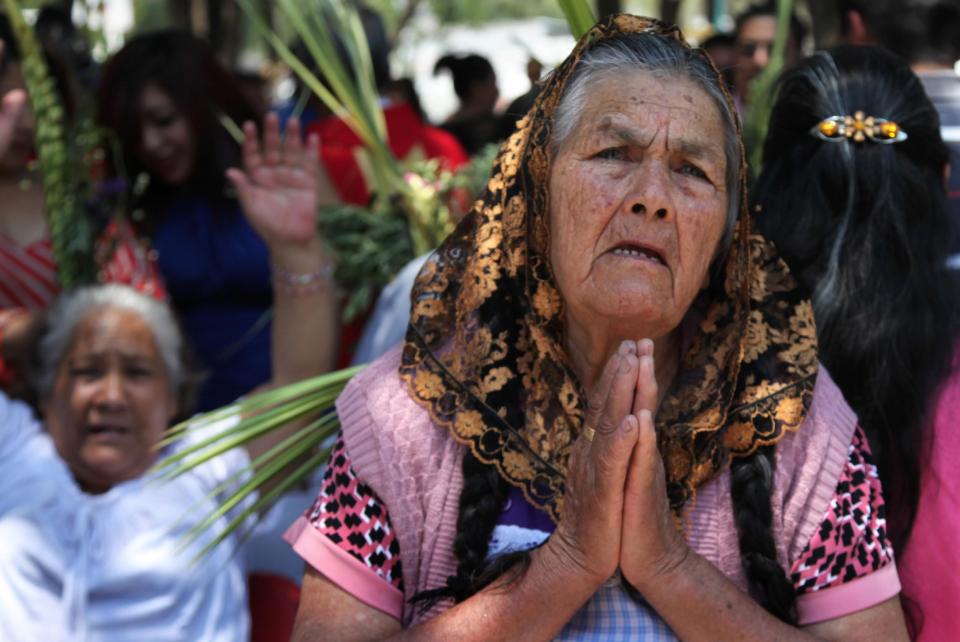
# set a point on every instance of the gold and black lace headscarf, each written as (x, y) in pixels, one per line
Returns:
(485, 354)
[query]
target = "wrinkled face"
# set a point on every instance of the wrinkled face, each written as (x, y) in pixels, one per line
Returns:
(167, 147)
(111, 400)
(638, 202)
(21, 142)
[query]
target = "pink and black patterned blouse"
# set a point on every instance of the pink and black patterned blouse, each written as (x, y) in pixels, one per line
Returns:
(850, 543)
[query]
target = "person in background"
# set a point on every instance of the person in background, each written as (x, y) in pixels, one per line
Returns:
(92, 538)
(722, 49)
(170, 104)
(408, 136)
(475, 83)
(28, 269)
(256, 91)
(520, 105)
(925, 33)
(402, 90)
(756, 29)
(56, 32)
(852, 194)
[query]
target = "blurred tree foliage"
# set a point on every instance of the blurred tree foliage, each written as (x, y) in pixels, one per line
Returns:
(149, 14)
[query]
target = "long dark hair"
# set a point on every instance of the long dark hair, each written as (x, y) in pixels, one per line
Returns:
(484, 493)
(865, 227)
(184, 67)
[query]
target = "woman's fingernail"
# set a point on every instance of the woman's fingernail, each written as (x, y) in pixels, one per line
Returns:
(630, 423)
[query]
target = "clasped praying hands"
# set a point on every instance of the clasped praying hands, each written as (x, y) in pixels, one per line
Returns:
(616, 514)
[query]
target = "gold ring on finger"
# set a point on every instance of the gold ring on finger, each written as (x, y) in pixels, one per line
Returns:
(589, 433)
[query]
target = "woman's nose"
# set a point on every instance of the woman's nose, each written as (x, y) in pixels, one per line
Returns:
(651, 194)
(761, 56)
(111, 390)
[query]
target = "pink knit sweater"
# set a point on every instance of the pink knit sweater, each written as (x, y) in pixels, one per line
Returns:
(415, 468)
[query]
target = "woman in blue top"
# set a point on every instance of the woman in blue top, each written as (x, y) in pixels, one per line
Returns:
(165, 95)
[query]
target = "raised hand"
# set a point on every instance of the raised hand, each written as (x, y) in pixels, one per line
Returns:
(589, 532)
(650, 544)
(280, 184)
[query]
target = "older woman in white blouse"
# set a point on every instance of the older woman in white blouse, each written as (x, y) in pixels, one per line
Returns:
(90, 543)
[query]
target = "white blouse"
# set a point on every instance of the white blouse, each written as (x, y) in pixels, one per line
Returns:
(110, 567)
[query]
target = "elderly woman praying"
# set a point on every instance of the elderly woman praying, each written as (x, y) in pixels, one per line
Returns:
(607, 418)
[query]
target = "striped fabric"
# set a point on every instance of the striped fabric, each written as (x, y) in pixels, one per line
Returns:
(611, 615)
(125, 260)
(28, 275)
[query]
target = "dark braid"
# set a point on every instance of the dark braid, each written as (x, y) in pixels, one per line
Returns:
(751, 486)
(482, 499)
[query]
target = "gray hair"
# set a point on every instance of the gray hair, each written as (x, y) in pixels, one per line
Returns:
(663, 57)
(73, 307)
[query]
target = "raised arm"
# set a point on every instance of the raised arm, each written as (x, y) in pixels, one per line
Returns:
(280, 188)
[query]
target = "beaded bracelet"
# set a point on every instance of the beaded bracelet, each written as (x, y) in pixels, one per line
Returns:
(293, 284)
(291, 278)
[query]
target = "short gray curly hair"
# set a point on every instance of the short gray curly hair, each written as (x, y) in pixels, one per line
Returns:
(71, 308)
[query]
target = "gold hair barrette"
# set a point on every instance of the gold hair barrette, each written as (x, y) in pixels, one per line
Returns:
(858, 128)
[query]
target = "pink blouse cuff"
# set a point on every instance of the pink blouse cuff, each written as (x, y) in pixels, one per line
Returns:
(856, 595)
(344, 570)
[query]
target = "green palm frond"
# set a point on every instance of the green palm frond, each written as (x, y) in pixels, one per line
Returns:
(404, 220)
(348, 87)
(61, 160)
(579, 16)
(285, 465)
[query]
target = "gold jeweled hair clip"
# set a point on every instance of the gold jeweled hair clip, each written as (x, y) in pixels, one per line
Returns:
(858, 128)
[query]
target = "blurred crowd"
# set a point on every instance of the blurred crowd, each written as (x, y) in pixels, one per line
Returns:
(217, 284)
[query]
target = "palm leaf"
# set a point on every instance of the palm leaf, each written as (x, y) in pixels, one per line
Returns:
(61, 163)
(258, 415)
(350, 91)
(579, 16)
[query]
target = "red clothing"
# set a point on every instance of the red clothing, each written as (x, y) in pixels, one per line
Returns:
(406, 133)
(28, 275)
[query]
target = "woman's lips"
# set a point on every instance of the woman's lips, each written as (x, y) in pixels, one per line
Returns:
(107, 430)
(638, 252)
